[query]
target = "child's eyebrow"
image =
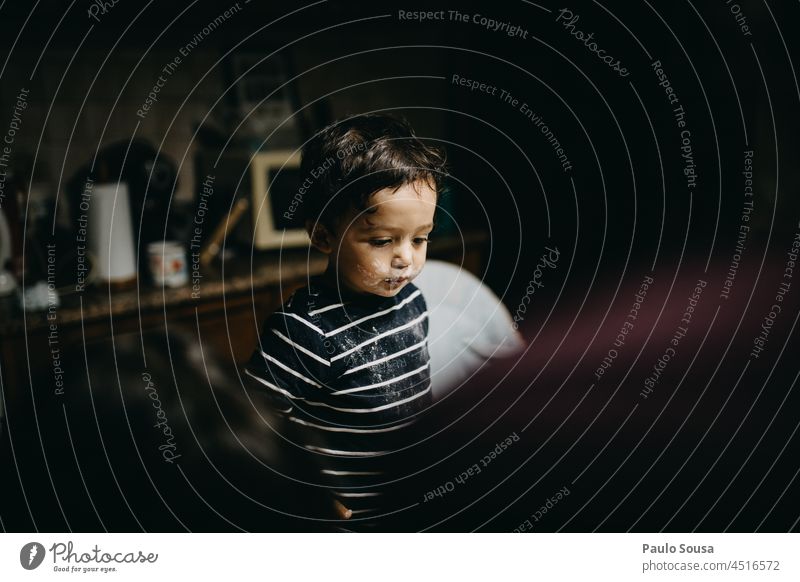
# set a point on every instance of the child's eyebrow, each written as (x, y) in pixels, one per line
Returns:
(373, 226)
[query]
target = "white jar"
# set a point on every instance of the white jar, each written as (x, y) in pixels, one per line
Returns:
(168, 263)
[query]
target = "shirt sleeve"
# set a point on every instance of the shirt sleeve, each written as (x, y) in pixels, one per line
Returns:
(289, 362)
(289, 366)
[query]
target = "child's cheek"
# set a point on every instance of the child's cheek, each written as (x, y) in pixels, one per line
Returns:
(362, 270)
(366, 273)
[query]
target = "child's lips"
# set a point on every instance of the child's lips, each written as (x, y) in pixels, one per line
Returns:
(394, 281)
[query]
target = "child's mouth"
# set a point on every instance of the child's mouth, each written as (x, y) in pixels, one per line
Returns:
(395, 281)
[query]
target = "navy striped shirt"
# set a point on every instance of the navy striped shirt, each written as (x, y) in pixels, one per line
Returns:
(352, 377)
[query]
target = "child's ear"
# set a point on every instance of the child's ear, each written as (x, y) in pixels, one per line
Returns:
(320, 236)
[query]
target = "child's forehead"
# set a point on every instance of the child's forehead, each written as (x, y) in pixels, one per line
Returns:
(384, 220)
(407, 207)
(391, 217)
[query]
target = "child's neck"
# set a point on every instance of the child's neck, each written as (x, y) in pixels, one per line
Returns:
(332, 282)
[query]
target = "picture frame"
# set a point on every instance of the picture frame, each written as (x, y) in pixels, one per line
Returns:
(276, 195)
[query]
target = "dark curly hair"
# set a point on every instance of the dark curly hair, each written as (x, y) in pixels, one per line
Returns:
(353, 158)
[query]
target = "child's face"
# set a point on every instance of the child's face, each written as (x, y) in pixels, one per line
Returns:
(381, 249)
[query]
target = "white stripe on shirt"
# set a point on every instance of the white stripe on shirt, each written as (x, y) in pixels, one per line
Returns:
(272, 386)
(387, 358)
(345, 453)
(288, 369)
(377, 408)
(333, 472)
(299, 347)
(300, 319)
(404, 302)
(377, 384)
(350, 430)
(359, 410)
(324, 309)
(382, 335)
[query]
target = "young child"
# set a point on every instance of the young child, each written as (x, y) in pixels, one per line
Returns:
(346, 357)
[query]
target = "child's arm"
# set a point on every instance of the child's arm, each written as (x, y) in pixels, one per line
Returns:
(290, 367)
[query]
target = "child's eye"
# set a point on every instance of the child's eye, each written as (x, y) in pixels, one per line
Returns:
(381, 242)
(421, 239)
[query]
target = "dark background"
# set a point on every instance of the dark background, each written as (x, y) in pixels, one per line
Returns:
(713, 448)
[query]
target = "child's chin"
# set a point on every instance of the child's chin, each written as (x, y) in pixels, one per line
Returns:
(387, 290)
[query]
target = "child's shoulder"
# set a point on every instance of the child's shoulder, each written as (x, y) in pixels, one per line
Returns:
(311, 301)
(321, 306)
(314, 308)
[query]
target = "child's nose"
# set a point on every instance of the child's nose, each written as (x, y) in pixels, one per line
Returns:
(403, 256)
